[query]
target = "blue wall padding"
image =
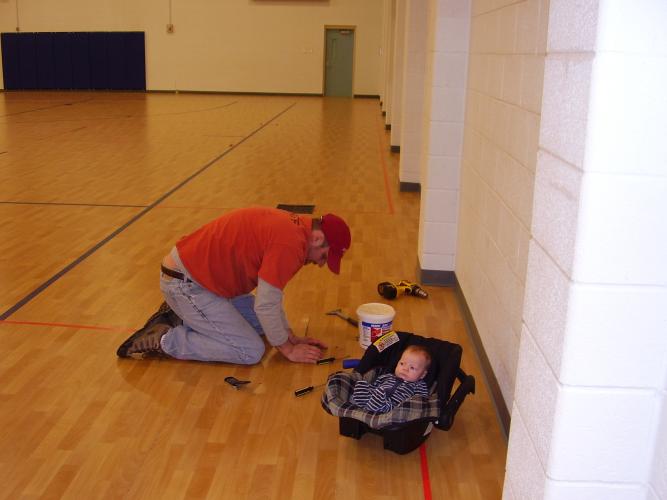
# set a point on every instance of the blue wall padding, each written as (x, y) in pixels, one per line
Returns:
(10, 61)
(116, 76)
(45, 59)
(135, 60)
(98, 54)
(28, 61)
(95, 60)
(80, 61)
(62, 61)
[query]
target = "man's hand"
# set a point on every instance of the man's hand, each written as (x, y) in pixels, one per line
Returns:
(302, 352)
(305, 340)
(302, 349)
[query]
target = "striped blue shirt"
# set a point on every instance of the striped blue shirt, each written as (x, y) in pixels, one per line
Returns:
(385, 392)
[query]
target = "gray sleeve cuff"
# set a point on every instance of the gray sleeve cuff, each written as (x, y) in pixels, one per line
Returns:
(286, 324)
(269, 310)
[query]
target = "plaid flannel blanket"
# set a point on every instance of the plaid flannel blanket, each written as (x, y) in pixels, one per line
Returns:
(336, 396)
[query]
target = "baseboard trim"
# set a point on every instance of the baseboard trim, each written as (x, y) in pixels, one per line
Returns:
(395, 149)
(410, 187)
(448, 278)
(436, 278)
(500, 406)
(366, 96)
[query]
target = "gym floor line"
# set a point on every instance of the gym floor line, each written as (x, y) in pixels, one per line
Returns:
(58, 105)
(68, 325)
(34, 293)
(66, 204)
(123, 117)
(163, 206)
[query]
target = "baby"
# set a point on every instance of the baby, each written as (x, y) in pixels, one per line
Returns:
(390, 390)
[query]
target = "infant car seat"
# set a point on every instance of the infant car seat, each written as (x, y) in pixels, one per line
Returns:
(409, 424)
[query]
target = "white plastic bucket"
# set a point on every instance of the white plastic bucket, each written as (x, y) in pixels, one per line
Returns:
(375, 319)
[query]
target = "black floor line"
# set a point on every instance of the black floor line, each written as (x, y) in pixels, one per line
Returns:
(100, 244)
(64, 204)
(120, 117)
(46, 107)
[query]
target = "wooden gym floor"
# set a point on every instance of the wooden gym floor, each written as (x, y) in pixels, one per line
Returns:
(94, 190)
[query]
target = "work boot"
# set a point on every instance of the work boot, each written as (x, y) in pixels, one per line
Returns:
(164, 315)
(145, 343)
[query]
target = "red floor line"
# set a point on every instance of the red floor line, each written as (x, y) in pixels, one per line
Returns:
(426, 482)
(384, 172)
(67, 325)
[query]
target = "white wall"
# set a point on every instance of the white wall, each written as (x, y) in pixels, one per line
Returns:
(504, 90)
(412, 102)
(230, 45)
(589, 408)
(385, 52)
(563, 236)
(388, 49)
(397, 72)
(442, 130)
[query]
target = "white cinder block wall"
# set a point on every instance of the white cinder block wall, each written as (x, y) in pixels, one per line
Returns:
(389, 12)
(414, 70)
(507, 47)
(590, 400)
(397, 68)
(382, 93)
(442, 130)
(564, 154)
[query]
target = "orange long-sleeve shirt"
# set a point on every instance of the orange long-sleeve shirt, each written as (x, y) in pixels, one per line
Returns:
(228, 255)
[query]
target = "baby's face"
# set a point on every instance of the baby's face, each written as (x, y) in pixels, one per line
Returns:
(411, 367)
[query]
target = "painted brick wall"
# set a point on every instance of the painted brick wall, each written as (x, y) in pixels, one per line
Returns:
(504, 90)
(589, 404)
(442, 130)
(397, 73)
(412, 103)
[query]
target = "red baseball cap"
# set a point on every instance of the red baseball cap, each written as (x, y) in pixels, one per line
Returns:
(338, 237)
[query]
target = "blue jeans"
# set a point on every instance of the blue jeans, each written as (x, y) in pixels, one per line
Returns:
(214, 328)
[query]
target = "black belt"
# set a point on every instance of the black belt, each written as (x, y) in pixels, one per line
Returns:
(172, 273)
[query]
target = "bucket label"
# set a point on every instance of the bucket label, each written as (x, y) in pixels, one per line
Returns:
(370, 332)
(385, 341)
